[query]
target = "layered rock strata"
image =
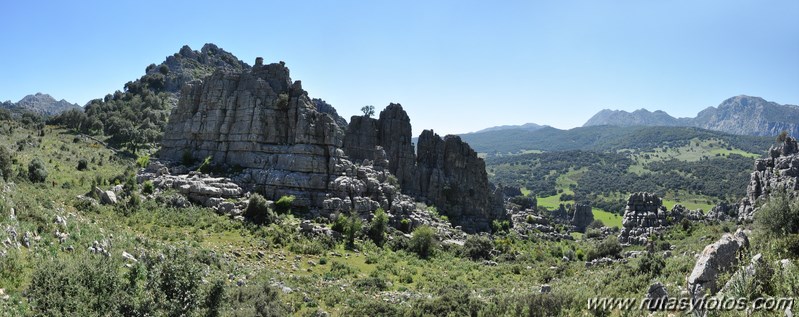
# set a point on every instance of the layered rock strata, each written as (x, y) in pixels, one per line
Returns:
(444, 172)
(262, 123)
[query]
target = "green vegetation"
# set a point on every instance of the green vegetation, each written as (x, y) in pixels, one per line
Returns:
(423, 242)
(190, 261)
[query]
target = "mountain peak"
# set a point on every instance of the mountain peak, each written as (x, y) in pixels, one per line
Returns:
(40, 103)
(640, 117)
(742, 114)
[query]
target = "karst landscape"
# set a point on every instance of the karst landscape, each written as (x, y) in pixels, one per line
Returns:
(214, 186)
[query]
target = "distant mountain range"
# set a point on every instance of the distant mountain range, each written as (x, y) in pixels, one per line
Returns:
(743, 115)
(605, 138)
(39, 103)
(526, 127)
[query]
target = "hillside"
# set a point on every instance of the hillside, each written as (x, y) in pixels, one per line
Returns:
(742, 115)
(41, 104)
(135, 119)
(603, 138)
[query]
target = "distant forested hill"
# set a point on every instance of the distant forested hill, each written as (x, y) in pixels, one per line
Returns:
(604, 138)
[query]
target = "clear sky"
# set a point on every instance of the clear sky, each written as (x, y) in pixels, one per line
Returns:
(455, 66)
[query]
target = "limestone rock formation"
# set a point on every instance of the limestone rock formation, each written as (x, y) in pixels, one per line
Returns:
(265, 125)
(453, 178)
(715, 259)
(261, 121)
(583, 216)
(444, 172)
(645, 215)
(778, 172)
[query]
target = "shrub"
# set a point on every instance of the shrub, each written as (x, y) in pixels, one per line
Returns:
(258, 300)
(283, 205)
(143, 161)
(37, 173)
(592, 233)
(779, 216)
(423, 241)
(83, 165)
(596, 224)
(405, 225)
(258, 211)
(354, 226)
(340, 224)
(478, 247)
(651, 264)
(206, 166)
(6, 163)
(147, 188)
(609, 247)
(500, 225)
(377, 228)
(524, 202)
(85, 286)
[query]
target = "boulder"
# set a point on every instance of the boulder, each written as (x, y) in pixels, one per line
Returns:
(715, 259)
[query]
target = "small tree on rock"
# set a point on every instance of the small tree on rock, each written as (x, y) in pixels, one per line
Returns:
(368, 111)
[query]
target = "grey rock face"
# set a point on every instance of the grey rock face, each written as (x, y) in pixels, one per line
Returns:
(583, 216)
(444, 172)
(643, 215)
(264, 123)
(287, 144)
(778, 172)
(453, 178)
(41, 104)
(656, 295)
(715, 259)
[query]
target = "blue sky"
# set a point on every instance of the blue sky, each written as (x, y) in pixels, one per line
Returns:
(455, 66)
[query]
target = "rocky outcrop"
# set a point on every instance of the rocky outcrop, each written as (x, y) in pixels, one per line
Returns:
(443, 172)
(643, 215)
(453, 178)
(716, 258)
(583, 216)
(262, 122)
(325, 107)
(778, 172)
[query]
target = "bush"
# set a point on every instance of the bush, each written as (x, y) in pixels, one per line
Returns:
(353, 227)
(524, 202)
(258, 300)
(609, 247)
(596, 224)
(779, 216)
(423, 241)
(405, 225)
(651, 264)
(83, 165)
(283, 205)
(377, 228)
(187, 158)
(258, 211)
(85, 286)
(37, 173)
(6, 163)
(478, 247)
(143, 161)
(340, 224)
(147, 188)
(500, 225)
